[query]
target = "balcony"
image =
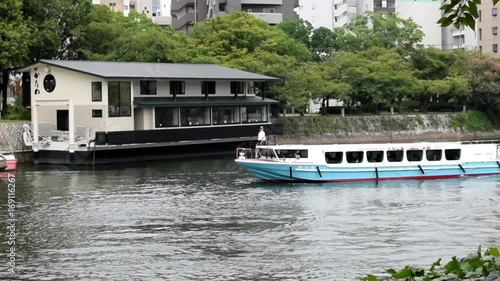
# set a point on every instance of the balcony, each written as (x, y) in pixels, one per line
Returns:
(179, 23)
(262, 2)
(179, 4)
(163, 20)
(341, 9)
(271, 18)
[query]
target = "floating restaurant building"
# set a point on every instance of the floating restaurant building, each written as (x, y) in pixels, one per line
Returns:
(94, 112)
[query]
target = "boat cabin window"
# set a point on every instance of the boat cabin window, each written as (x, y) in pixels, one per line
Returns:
(334, 157)
(434, 154)
(395, 155)
(292, 153)
(452, 154)
(414, 155)
(354, 156)
(266, 152)
(375, 156)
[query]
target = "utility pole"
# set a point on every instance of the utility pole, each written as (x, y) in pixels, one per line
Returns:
(195, 11)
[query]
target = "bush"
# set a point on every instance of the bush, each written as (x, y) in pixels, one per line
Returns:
(473, 121)
(17, 111)
(475, 266)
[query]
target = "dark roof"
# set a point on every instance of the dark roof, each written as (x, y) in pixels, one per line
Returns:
(146, 70)
(200, 101)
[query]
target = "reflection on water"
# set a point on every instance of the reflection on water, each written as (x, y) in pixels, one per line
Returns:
(208, 220)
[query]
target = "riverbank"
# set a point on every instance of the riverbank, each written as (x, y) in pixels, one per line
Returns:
(317, 129)
(385, 128)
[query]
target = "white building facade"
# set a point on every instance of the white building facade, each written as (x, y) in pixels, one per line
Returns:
(337, 13)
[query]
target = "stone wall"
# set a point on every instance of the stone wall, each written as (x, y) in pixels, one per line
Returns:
(11, 136)
(378, 128)
(326, 130)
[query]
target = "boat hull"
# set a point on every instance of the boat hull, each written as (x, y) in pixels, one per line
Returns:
(285, 172)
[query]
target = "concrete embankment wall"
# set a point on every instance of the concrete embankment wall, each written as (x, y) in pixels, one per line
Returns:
(323, 130)
(11, 140)
(374, 128)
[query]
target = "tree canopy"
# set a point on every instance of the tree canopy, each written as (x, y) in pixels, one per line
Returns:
(374, 60)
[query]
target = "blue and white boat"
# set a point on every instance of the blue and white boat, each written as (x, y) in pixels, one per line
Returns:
(371, 162)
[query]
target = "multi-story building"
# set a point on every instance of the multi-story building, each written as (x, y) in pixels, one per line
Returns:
(187, 12)
(157, 10)
(337, 13)
(487, 33)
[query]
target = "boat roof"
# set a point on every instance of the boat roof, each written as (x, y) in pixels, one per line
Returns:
(368, 146)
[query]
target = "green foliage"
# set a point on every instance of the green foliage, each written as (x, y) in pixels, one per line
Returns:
(112, 36)
(17, 111)
(461, 13)
(475, 266)
(474, 121)
(13, 34)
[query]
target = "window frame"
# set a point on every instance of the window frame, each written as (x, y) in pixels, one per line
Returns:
(96, 113)
(94, 99)
(120, 102)
(206, 87)
(177, 87)
(237, 87)
(148, 87)
(414, 152)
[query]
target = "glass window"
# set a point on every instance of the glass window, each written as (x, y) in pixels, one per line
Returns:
(208, 87)
(225, 115)
(354, 156)
(255, 88)
(452, 154)
(414, 155)
(236, 87)
(253, 114)
(433, 154)
(292, 153)
(195, 116)
(166, 117)
(49, 83)
(334, 157)
(96, 91)
(395, 155)
(177, 88)
(96, 113)
(375, 156)
(119, 99)
(148, 87)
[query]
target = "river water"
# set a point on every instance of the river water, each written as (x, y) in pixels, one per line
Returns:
(209, 220)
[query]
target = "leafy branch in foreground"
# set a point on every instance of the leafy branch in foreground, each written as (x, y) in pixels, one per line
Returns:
(461, 13)
(477, 266)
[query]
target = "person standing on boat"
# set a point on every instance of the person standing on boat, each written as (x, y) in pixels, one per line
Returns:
(261, 137)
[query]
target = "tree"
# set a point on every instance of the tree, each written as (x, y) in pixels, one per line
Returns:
(112, 36)
(323, 43)
(483, 76)
(241, 41)
(53, 24)
(435, 69)
(13, 44)
(297, 29)
(379, 30)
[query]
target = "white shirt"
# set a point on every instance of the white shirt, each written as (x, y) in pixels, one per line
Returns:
(261, 136)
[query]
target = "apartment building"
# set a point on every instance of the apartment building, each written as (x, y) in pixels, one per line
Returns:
(487, 33)
(157, 10)
(187, 12)
(337, 13)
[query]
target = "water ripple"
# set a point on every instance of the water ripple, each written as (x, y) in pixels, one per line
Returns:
(208, 220)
